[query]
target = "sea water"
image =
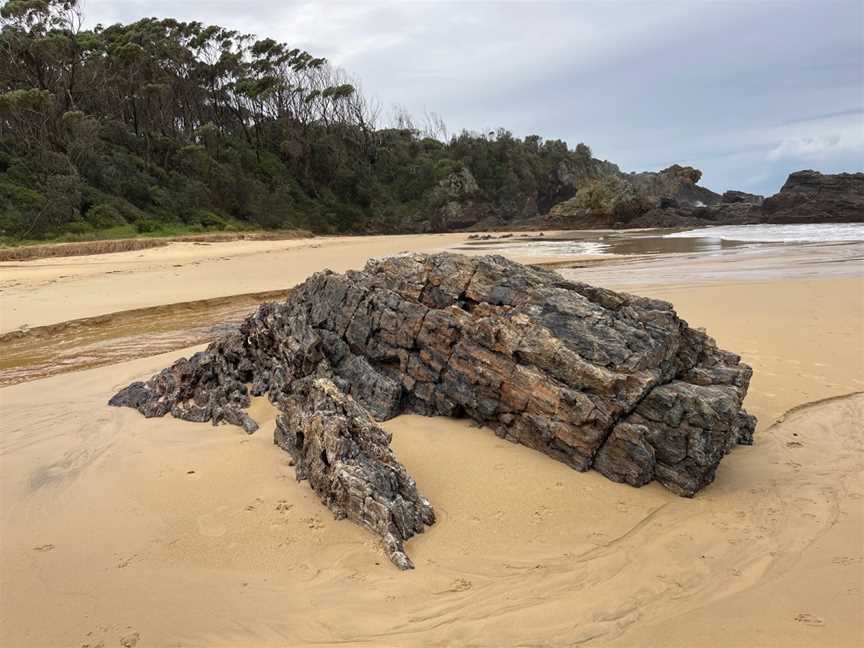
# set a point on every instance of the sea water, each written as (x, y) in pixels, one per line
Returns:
(807, 233)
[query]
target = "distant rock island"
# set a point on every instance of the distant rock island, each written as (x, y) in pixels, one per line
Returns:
(590, 377)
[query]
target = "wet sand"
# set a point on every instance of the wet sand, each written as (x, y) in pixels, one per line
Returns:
(161, 532)
(108, 339)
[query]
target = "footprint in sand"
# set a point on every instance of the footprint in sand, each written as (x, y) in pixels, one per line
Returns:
(458, 585)
(313, 523)
(254, 505)
(209, 526)
(124, 562)
(130, 640)
(809, 619)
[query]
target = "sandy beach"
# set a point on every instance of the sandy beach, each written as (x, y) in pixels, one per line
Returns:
(119, 530)
(47, 291)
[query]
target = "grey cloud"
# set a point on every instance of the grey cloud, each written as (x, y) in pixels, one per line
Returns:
(747, 91)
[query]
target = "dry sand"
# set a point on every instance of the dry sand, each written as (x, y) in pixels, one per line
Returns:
(122, 530)
(47, 291)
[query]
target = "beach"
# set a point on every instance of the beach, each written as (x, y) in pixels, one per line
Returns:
(121, 530)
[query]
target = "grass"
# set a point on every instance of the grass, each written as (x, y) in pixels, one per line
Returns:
(63, 247)
(118, 232)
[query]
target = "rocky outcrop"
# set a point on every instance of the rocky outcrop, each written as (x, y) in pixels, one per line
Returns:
(813, 197)
(458, 202)
(590, 377)
(734, 213)
(621, 200)
(807, 197)
(674, 186)
(571, 175)
(452, 202)
(347, 459)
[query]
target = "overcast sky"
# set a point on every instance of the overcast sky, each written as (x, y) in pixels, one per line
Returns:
(747, 91)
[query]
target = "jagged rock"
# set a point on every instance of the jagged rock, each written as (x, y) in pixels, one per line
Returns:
(807, 197)
(348, 462)
(813, 197)
(677, 183)
(650, 199)
(590, 377)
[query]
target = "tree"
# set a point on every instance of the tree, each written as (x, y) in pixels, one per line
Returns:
(165, 124)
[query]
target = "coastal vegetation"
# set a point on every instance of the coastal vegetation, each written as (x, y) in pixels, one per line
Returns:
(162, 127)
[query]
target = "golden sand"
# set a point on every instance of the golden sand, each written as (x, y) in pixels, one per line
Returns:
(49, 291)
(159, 532)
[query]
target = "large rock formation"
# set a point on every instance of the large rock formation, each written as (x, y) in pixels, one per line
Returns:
(458, 202)
(813, 197)
(670, 198)
(619, 200)
(674, 186)
(590, 377)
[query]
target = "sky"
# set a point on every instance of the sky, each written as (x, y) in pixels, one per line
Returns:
(745, 90)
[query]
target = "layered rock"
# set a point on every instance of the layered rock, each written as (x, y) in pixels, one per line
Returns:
(349, 464)
(590, 377)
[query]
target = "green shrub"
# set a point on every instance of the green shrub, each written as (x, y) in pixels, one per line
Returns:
(103, 216)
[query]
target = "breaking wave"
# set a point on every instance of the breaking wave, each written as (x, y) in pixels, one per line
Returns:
(808, 233)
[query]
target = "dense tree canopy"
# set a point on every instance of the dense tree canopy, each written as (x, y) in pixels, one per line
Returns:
(163, 124)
